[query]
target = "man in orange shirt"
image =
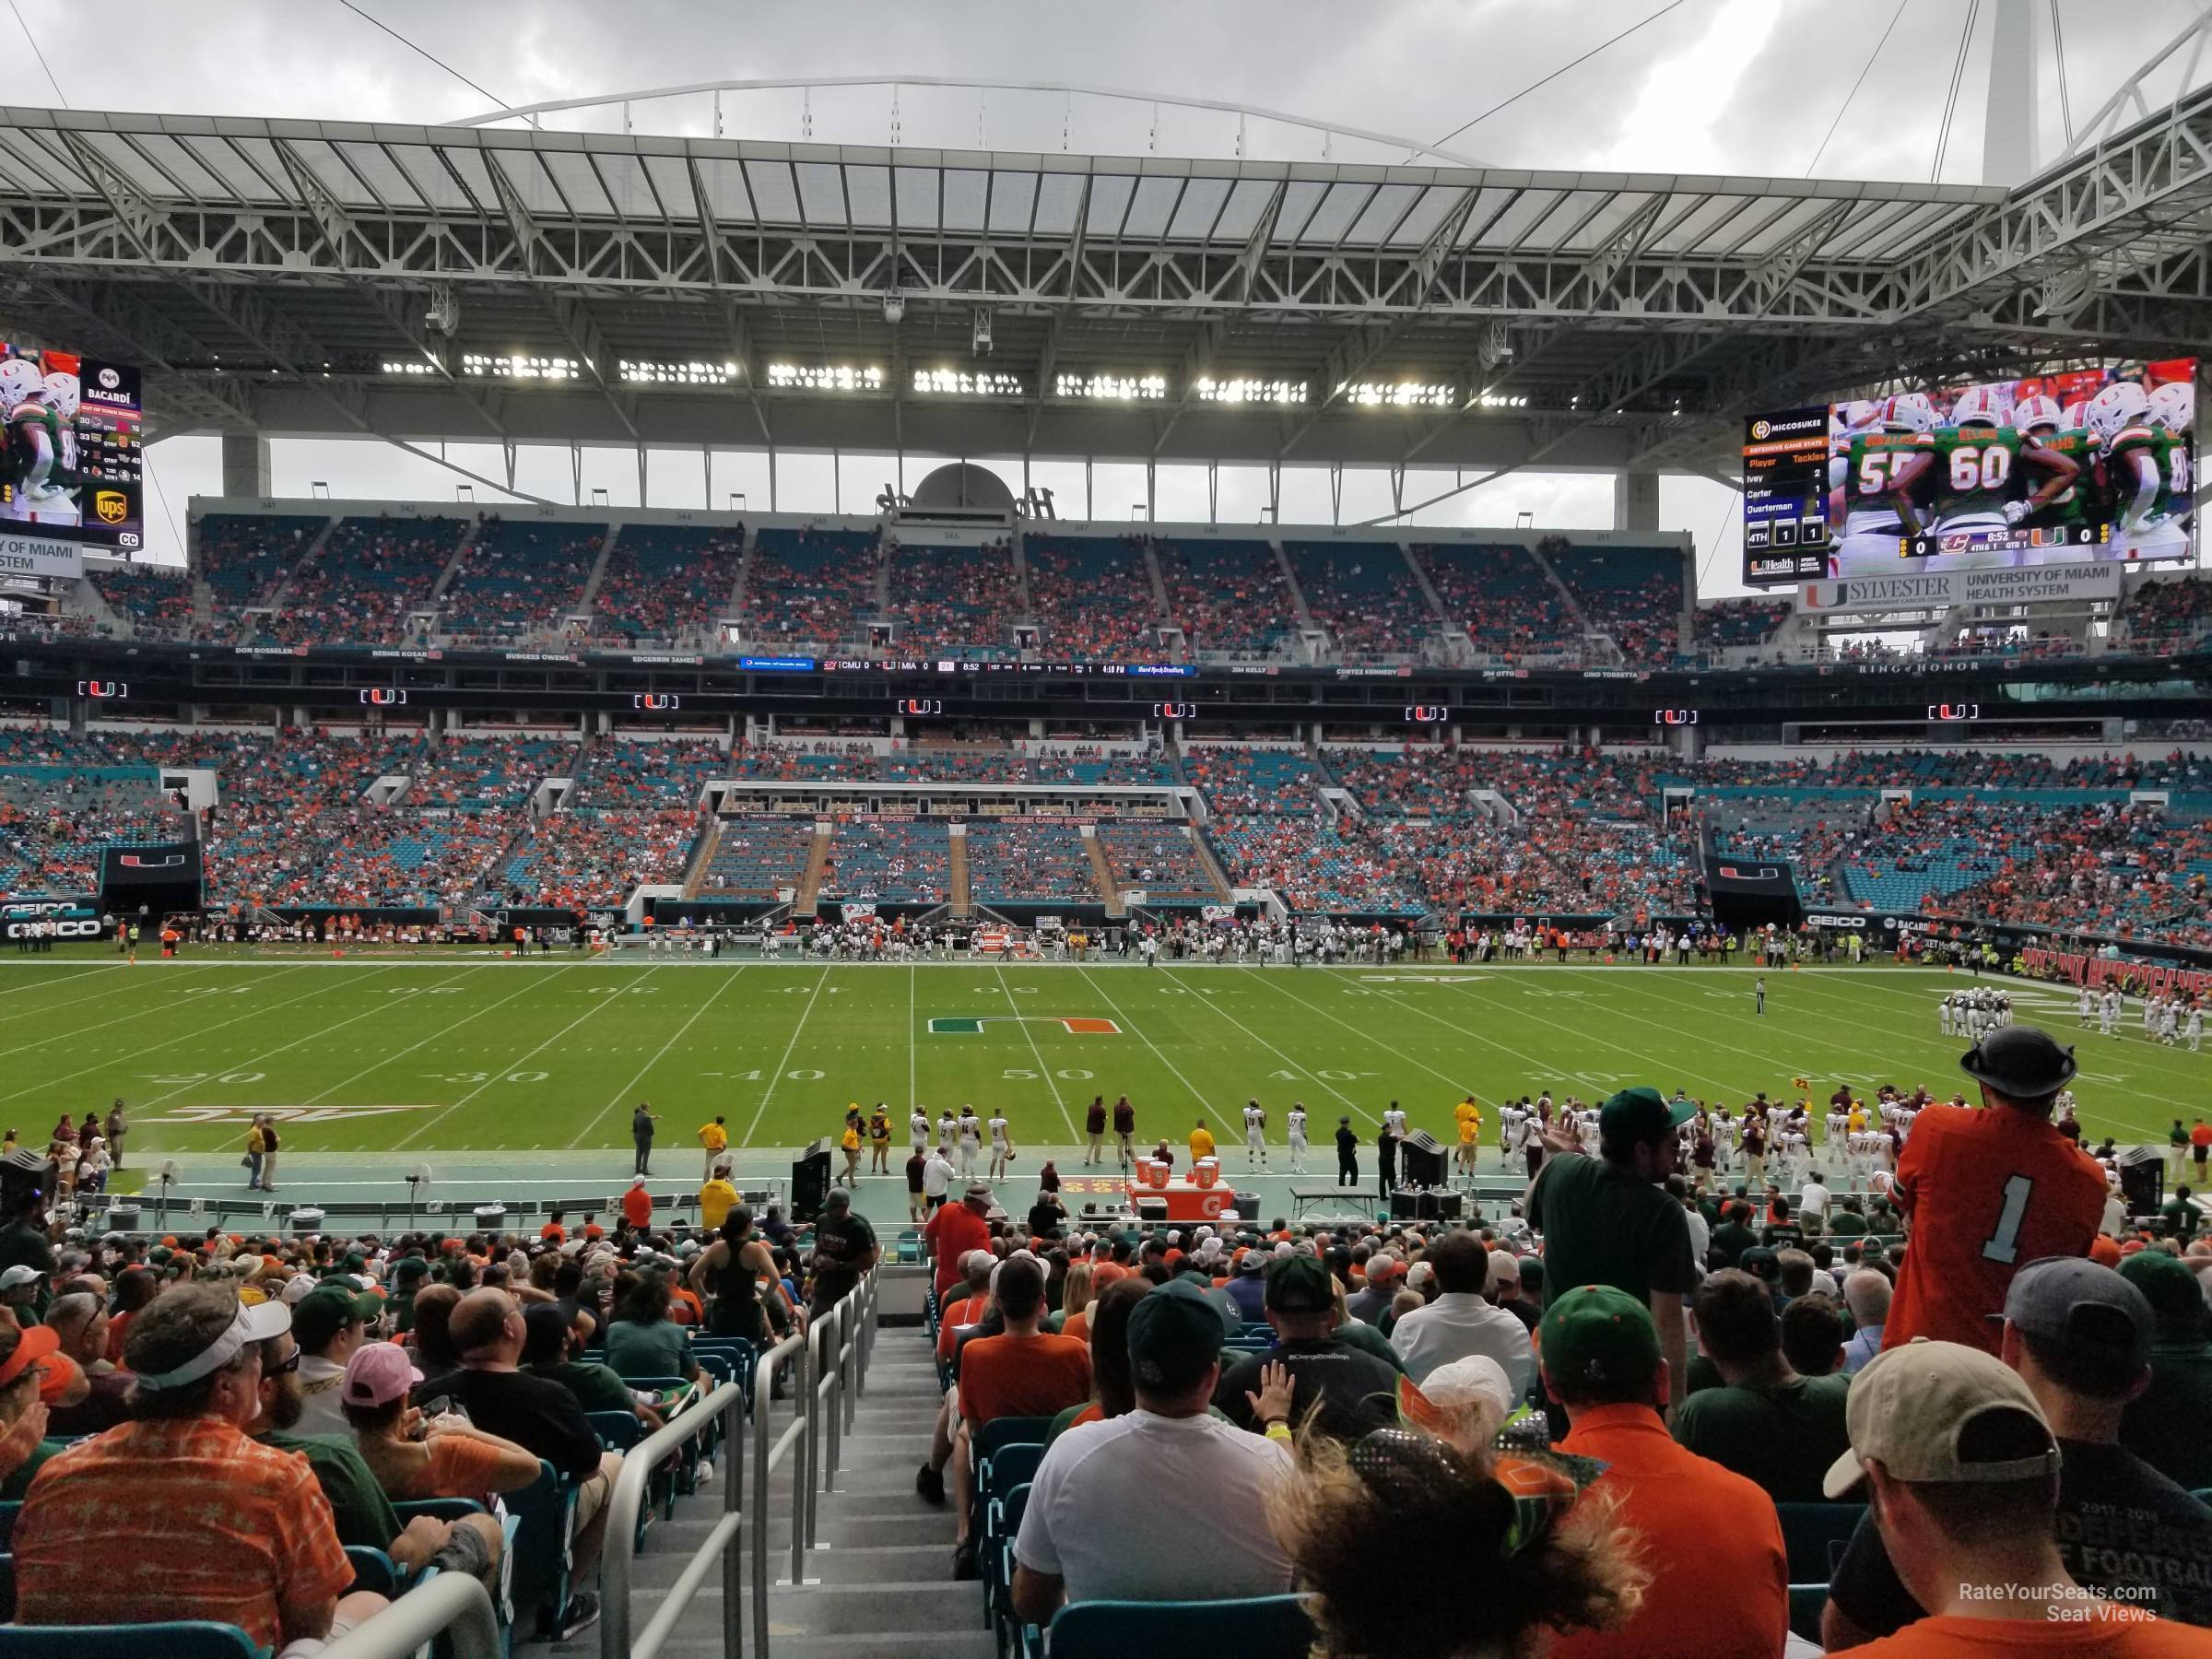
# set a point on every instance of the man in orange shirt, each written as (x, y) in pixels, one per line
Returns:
(956, 1229)
(1026, 1371)
(1711, 1538)
(1985, 1192)
(220, 1527)
(1962, 1470)
(637, 1204)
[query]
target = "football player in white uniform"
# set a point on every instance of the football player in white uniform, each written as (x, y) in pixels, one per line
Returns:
(1295, 1121)
(2146, 471)
(1256, 1134)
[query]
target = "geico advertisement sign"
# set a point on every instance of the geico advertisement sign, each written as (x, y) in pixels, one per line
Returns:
(59, 928)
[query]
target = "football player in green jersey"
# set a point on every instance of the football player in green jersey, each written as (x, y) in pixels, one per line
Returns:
(2065, 504)
(1872, 497)
(1978, 483)
(2146, 475)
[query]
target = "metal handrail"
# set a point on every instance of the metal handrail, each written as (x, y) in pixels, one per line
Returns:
(630, 1494)
(826, 1363)
(453, 1601)
(765, 1457)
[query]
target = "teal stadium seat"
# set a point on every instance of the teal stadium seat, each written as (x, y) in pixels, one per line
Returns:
(1268, 1627)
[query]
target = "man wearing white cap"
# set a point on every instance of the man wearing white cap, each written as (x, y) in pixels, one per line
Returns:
(180, 1471)
(1961, 1469)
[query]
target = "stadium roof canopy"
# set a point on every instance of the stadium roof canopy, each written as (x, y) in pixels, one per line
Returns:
(282, 276)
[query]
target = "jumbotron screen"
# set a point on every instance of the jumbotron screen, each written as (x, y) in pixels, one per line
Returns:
(73, 455)
(2095, 464)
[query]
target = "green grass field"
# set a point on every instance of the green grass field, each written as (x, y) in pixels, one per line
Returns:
(460, 1053)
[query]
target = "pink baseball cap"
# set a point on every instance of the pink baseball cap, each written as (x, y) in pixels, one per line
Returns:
(378, 1374)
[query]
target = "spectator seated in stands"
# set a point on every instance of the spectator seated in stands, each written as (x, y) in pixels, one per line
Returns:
(1022, 1370)
(1463, 1319)
(156, 601)
(1339, 1389)
(413, 1458)
(1778, 1430)
(1093, 596)
(1710, 1539)
(1966, 1477)
(554, 1348)
(1228, 596)
(181, 1475)
(1510, 609)
(643, 1340)
(1732, 623)
(1365, 594)
(1013, 862)
(2161, 1424)
(666, 584)
(486, 1331)
(810, 586)
(1500, 1554)
(955, 601)
(2166, 615)
(1633, 593)
(329, 1323)
(244, 556)
(1095, 1528)
(519, 578)
(359, 1509)
(2079, 1337)
(370, 577)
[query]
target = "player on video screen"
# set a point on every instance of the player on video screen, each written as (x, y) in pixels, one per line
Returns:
(1871, 496)
(2146, 464)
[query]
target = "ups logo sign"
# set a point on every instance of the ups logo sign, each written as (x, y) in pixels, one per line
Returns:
(110, 506)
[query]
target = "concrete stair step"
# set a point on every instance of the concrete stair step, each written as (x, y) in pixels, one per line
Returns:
(834, 1565)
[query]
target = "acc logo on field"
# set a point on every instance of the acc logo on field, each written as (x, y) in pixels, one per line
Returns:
(110, 506)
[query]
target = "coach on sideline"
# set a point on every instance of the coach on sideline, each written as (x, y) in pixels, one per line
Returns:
(1985, 1192)
(1608, 1220)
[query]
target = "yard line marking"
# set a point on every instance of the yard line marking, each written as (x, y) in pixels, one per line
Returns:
(156, 1047)
(1043, 1070)
(257, 1059)
(912, 1047)
(433, 1037)
(769, 1093)
(1560, 1070)
(495, 1075)
(1343, 1099)
(618, 1095)
(62, 979)
(1365, 1037)
(1130, 1025)
(24, 1048)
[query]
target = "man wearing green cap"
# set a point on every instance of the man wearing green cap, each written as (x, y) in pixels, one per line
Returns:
(2164, 1425)
(1711, 1538)
(1350, 1390)
(329, 1323)
(1608, 1220)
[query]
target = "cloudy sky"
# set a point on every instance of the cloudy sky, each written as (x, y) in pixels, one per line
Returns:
(1705, 86)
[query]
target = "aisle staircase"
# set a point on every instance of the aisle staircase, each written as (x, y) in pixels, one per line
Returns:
(878, 1579)
(818, 864)
(1101, 869)
(956, 873)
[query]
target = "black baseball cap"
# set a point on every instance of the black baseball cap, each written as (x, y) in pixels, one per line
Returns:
(1174, 1334)
(1299, 1284)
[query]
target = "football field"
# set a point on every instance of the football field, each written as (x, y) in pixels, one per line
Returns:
(419, 1055)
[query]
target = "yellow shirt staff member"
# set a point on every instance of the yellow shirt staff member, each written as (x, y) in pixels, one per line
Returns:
(1468, 1116)
(849, 1142)
(715, 1138)
(716, 1199)
(1201, 1142)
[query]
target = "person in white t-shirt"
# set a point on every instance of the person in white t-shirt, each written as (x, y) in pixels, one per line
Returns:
(1256, 1134)
(1095, 1528)
(1815, 1198)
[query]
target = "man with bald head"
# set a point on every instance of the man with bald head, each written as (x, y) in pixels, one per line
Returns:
(487, 1332)
(80, 1324)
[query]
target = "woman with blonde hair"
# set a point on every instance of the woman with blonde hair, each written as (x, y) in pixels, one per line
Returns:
(1074, 1318)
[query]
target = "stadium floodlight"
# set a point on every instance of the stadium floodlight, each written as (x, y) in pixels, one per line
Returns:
(691, 373)
(519, 365)
(1394, 394)
(894, 308)
(1111, 388)
(823, 377)
(960, 383)
(1250, 391)
(420, 369)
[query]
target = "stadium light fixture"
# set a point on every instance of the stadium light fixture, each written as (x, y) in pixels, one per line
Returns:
(692, 372)
(521, 366)
(980, 338)
(823, 377)
(894, 308)
(1250, 391)
(960, 383)
(1111, 388)
(1394, 394)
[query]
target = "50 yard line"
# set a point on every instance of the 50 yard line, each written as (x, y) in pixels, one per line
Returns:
(1043, 1070)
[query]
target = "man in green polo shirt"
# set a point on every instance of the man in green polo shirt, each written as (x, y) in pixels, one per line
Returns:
(1608, 1220)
